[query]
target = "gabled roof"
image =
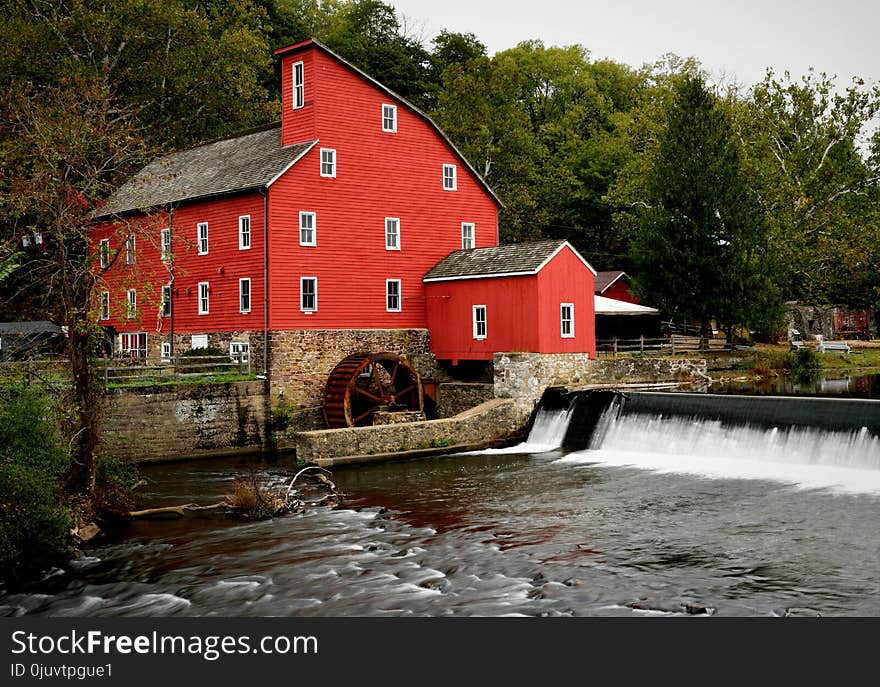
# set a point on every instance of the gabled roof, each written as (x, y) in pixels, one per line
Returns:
(515, 259)
(302, 45)
(604, 280)
(611, 306)
(29, 327)
(249, 162)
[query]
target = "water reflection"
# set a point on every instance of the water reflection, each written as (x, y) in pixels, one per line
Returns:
(852, 386)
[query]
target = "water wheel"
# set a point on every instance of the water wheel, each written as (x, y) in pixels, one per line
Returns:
(366, 382)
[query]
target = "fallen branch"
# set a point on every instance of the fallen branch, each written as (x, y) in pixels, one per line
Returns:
(179, 511)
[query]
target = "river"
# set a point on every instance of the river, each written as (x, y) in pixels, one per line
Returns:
(654, 518)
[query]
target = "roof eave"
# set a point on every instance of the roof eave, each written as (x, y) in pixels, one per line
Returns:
(177, 203)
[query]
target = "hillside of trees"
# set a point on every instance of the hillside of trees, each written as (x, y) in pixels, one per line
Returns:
(722, 202)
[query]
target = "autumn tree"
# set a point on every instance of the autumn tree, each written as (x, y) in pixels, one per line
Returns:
(700, 238)
(65, 148)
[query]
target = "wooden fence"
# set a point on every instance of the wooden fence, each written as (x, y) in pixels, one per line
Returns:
(670, 345)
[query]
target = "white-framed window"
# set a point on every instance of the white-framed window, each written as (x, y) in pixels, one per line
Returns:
(166, 300)
(389, 118)
(244, 295)
(165, 240)
(299, 92)
(104, 313)
(198, 341)
(467, 235)
(566, 320)
(479, 321)
(450, 181)
(240, 351)
(204, 293)
(166, 350)
(392, 295)
(308, 230)
(203, 238)
(392, 233)
(132, 305)
(133, 344)
(328, 162)
(308, 294)
(104, 253)
(244, 232)
(130, 253)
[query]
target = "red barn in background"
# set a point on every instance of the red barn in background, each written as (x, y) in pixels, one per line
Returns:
(615, 285)
(535, 297)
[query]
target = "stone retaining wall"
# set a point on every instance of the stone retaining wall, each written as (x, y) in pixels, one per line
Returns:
(524, 376)
(185, 421)
(489, 422)
(456, 397)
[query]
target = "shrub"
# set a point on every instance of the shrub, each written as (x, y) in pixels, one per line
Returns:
(34, 522)
(114, 483)
(803, 361)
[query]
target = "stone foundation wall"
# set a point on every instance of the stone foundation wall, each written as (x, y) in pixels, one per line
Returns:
(221, 340)
(490, 422)
(456, 397)
(301, 360)
(185, 421)
(525, 376)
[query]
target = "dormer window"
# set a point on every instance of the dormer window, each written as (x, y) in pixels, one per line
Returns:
(449, 179)
(389, 118)
(299, 92)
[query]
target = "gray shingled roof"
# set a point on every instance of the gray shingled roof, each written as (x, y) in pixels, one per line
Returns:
(234, 164)
(515, 258)
(606, 279)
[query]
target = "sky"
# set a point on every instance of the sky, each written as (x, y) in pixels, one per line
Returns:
(735, 40)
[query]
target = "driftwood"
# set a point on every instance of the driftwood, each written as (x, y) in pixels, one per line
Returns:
(180, 511)
(272, 501)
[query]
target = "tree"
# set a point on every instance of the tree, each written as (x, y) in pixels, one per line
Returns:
(817, 183)
(700, 234)
(65, 148)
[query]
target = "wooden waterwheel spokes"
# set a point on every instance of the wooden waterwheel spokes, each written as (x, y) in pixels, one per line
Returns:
(363, 383)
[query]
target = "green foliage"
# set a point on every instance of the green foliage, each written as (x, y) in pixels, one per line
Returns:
(34, 525)
(803, 360)
(699, 240)
(282, 415)
(114, 485)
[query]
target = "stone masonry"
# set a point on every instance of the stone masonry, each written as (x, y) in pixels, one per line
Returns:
(524, 376)
(300, 361)
(496, 420)
(185, 421)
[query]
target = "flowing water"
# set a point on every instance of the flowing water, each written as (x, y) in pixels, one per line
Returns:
(658, 516)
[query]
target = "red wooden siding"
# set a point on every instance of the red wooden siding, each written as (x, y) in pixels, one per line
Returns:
(522, 313)
(221, 267)
(620, 291)
(512, 319)
(378, 175)
(302, 126)
(565, 279)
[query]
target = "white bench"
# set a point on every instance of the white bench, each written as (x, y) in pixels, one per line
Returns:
(834, 347)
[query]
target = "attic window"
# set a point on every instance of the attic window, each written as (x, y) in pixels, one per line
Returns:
(299, 93)
(449, 178)
(389, 118)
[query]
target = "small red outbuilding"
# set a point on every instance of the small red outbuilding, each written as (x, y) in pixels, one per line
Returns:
(527, 297)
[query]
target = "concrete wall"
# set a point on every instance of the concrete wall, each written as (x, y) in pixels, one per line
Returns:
(300, 361)
(185, 421)
(489, 422)
(525, 376)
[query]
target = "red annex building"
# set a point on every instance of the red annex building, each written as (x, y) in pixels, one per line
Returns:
(301, 243)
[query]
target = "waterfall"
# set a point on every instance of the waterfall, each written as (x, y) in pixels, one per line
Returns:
(846, 459)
